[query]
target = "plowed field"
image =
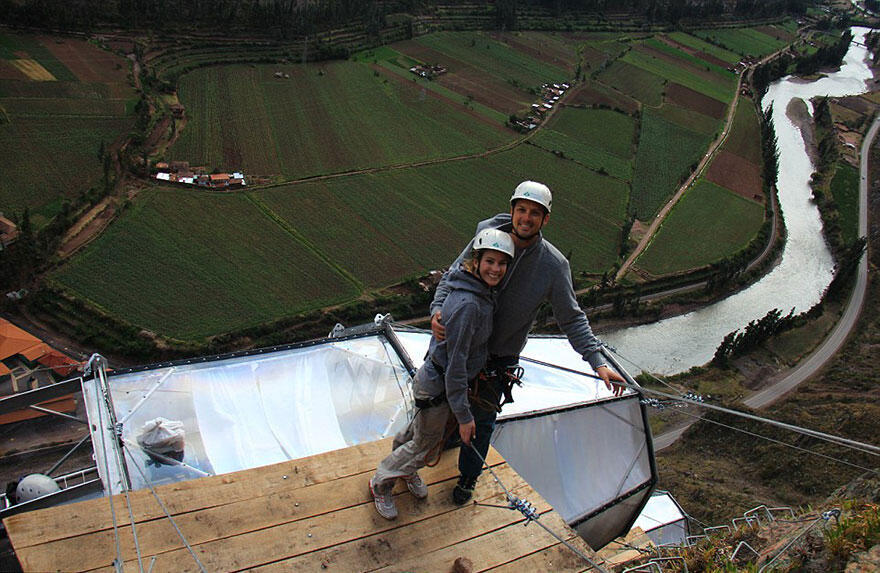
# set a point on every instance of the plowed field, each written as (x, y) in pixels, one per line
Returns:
(88, 62)
(686, 97)
(737, 174)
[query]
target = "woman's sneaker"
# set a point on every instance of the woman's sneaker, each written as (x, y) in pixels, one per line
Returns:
(383, 499)
(464, 490)
(416, 486)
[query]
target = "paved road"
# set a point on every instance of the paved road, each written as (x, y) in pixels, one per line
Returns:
(846, 323)
(790, 380)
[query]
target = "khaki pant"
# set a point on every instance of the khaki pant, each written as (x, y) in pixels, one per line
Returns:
(412, 444)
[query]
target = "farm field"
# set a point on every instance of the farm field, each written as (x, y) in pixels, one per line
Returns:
(414, 223)
(703, 47)
(600, 139)
(845, 191)
(665, 155)
(326, 118)
(715, 84)
(724, 221)
(744, 138)
(190, 264)
(744, 41)
(309, 241)
(71, 98)
(634, 81)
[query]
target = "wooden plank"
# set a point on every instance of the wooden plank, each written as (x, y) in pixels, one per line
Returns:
(158, 536)
(38, 527)
(379, 548)
(442, 520)
(491, 549)
(557, 558)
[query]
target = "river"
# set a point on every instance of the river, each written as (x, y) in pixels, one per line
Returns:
(676, 344)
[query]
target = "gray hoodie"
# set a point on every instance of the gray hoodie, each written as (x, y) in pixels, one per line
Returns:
(537, 273)
(467, 315)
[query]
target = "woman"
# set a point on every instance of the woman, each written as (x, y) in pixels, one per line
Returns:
(440, 386)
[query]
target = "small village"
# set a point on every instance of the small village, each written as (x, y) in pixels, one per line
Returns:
(550, 94)
(180, 172)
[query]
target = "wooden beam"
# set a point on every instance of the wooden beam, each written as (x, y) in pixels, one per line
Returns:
(38, 528)
(283, 541)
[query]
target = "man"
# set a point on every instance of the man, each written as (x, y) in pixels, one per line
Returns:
(537, 273)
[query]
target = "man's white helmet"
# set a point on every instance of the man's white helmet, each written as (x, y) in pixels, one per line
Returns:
(533, 191)
(495, 240)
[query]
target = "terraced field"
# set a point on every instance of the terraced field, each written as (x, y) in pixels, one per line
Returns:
(62, 98)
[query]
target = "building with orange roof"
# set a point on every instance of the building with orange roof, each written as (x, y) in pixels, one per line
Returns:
(8, 231)
(14, 340)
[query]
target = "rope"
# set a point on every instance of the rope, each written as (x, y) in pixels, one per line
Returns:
(165, 509)
(781, 443)
(103, 391)
(531, 515)
(837, 440)
(118, 562)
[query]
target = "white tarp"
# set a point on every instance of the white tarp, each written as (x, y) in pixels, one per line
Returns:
(256, 410)
(663, 520)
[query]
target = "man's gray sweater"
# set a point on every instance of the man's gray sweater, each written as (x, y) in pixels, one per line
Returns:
(537, 273)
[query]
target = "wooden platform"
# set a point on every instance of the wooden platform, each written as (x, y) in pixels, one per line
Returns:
(314, 514)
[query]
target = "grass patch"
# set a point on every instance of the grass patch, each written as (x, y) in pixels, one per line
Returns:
(414, 223)
(724, 221)
(634, 81)
(190, 264)
(44, 158)
(845, 190)
(665, 155)
(744, 41)
(744, 138)
(600, 139)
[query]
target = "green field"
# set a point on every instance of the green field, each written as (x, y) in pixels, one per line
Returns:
(715, 85)
(845, 191)
(326, 118)
(190, 264)
(690, 119)
(634, 82)
(663, 160)
(203, 263)
(495, 59)
(744, 41)
(600, 139)
(723, 221)
(698, 44)
(744, 138)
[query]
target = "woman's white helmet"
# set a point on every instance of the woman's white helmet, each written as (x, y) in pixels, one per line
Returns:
(494, 239)
(533, 191)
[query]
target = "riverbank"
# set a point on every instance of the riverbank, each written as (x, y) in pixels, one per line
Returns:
(717, 472)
